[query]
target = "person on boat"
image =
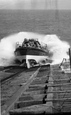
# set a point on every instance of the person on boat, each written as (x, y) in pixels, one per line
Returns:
(38, 44)
(25, 42)
(31, 43)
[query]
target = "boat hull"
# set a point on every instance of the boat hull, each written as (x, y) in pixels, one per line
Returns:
(28, 54)
(31, 51)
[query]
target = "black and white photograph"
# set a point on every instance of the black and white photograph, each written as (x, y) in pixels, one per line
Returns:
(35, 57)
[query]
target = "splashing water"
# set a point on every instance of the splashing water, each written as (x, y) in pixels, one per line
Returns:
(55, 45)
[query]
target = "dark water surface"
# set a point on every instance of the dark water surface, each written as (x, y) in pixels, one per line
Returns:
(43, 22)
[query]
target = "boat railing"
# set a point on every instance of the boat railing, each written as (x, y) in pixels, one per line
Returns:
(32, 47)
(33, 44)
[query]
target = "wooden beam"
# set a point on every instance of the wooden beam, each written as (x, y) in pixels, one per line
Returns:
(48, 85)
(62, 99)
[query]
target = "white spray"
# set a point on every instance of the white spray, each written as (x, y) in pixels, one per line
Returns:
(55, 45)
(58, 48)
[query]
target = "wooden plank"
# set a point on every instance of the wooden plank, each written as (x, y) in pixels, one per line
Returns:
(56, 80)
(62, 99)
(49, 85)
(67, 91)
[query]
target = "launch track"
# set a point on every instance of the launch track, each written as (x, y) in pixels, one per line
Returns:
(44, 89)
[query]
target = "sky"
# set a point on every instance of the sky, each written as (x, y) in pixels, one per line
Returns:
(35, 4)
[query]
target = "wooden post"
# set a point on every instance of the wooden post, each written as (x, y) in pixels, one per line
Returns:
(70, 57)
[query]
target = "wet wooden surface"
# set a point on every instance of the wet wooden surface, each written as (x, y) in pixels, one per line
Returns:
(48, 90)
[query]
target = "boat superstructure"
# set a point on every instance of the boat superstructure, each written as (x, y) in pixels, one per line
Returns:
(31, 53)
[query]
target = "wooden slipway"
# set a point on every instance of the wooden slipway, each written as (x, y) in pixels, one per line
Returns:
(48, 90)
